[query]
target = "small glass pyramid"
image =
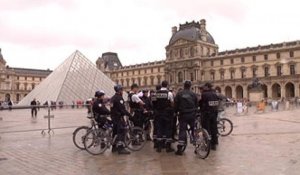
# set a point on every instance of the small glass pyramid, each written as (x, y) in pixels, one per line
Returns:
(77, 78)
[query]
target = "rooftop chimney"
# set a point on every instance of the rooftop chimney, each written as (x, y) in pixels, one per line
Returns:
(174, 30)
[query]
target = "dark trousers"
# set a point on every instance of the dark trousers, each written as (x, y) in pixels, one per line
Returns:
(138, 119)
(164, 126)
(33, 112)
(209, 122)
(184, 121)
(155, 126)
(119, 129)
(174, 127)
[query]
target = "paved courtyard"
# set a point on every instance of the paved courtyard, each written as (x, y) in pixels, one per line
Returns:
(266, 144)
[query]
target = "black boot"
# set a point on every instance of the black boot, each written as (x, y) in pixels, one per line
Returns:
(114, 149)
(158, 146)
(122, 150)
(169, 147)
(213, 147)
(155, 144)
(179, 151)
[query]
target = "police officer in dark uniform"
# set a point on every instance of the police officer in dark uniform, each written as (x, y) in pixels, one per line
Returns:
(164, 104)
(209, 108)
(136, 106)
(155, 112)
(118, 111)
(148, 114)
(99, 109)
(186, 103)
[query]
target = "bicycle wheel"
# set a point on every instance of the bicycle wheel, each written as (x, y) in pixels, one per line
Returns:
(135, 139)
(78, 136)
(202, 144)
(225, 127)
(95, 142)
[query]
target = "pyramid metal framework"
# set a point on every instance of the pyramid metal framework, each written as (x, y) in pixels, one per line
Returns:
(77, 78)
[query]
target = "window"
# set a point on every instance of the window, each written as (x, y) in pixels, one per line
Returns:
(254, 58)
(243, 73)
(192, 51)
(7, 76)
(221, 62)
(267, 72)
(212, 75)
(40, 78)
(152, 81)
(292, 69)
(231, 61)
(192, 76)
(181, 53)
(279, 73)
(180, 77)
(159, 79)
(222, 75)
(171, 78)
(266, 57)
(211, 63)
(202, 75)
(254, 72)
(151, 70)
(25, 78)
(278, 55)
(243, 59)
(18, 77)
(232, 74)
(291, 54)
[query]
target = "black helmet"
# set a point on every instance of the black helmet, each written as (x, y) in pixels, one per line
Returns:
(145, 90)
(187, 84)
(118, 88)
(158, 87)
(164, 84)
(99, 93)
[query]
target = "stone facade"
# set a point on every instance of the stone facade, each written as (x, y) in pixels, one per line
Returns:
(16, 83)
(193, 55)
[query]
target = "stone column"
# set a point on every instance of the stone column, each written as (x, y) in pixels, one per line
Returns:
(245, 92)
(297, 90)
(233, 92)
(222, 89)
(282, 88)
(269, 89)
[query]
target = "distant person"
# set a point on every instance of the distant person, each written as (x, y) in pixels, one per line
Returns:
(10, 104)
(33, 105)
(38, 104)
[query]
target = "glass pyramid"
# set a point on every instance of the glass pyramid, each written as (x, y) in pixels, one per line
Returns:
(77, 78)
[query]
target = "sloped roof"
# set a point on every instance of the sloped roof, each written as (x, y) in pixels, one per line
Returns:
(77, 78)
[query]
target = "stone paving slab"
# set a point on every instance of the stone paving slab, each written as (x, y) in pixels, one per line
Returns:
(266, 144)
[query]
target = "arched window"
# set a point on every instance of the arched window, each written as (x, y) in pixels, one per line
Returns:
(180, 77)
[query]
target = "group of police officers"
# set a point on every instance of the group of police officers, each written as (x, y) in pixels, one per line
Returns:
(166, 109)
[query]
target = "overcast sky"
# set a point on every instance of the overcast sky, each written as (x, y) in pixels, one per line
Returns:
(42, 33)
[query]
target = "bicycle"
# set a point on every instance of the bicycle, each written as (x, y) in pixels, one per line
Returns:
(80, 132)
(200, 139)
(225, 126)
(98, 140)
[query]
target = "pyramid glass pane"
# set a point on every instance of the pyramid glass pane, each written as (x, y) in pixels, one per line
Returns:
(77, 78)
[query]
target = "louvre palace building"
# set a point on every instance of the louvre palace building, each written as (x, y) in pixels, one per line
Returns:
(16, 83)
(192, 54)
